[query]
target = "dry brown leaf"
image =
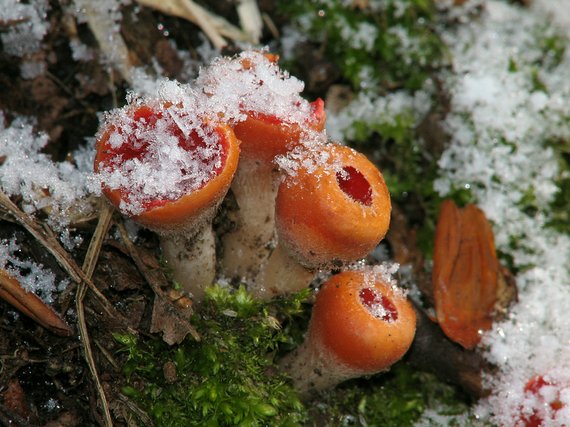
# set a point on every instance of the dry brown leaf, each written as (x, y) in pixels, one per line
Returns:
(465, 273)
(172, 321)
(14, 398)
(171, 311)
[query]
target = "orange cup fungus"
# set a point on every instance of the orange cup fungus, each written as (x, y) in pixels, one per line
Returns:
(264, 135)
(165, 214)
(334, 210)
(169, 171)
(360, 325)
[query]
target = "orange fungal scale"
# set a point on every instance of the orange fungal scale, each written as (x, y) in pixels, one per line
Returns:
(338, 210)
(165, 213)
(363, 321)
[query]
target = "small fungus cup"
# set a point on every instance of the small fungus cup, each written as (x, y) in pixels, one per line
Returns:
(168, 170)
(332, 207)
(360, 325)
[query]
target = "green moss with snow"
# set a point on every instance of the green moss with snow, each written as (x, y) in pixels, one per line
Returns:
(386, 44)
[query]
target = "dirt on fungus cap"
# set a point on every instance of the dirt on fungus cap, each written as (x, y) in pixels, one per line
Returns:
(264, 136)
(364, 322)
(336, 209)
(190, 207)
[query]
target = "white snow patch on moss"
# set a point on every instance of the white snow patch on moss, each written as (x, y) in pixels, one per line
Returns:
(504, 112)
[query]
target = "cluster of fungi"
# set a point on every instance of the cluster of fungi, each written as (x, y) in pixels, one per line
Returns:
(304, 205)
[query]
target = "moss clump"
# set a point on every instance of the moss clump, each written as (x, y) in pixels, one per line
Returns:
(389, 44)
(229, 377)
(225, 379)
(398, 398)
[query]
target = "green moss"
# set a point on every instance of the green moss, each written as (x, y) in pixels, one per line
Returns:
(559, 209)
(392, 45)
(397, 398)
(227, 378)
(230, 378)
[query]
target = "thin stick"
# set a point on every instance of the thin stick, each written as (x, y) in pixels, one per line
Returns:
(88, 268)
(217, 26)
(49, 241)
(250, 19)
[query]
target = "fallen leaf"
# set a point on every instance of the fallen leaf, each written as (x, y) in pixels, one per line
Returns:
(172, 320)
(465, 273)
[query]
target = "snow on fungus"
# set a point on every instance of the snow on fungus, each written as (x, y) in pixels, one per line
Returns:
(162, 165)
(252, 83)
(332, 206)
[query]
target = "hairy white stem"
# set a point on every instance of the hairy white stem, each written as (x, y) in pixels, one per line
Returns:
(281, 275)
(248, 246)
(192, 260)
(312, 367)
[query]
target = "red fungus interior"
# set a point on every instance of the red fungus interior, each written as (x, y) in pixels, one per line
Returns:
(534, 386)
(378, 305)
(354, 185)
(137, 148)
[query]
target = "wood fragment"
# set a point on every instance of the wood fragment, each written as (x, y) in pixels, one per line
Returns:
(215, 27)
(31, 305)
(433, 352)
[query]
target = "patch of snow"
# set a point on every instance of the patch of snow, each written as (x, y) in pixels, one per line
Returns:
(59, 189)
(27, 25)
(500, 124)
(32, 277)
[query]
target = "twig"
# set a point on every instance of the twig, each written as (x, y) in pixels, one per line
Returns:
(214, 26)
(88, 268)
(145, 419)
(271, 26)
(250, 19)
(109, 39)
(48, 240)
